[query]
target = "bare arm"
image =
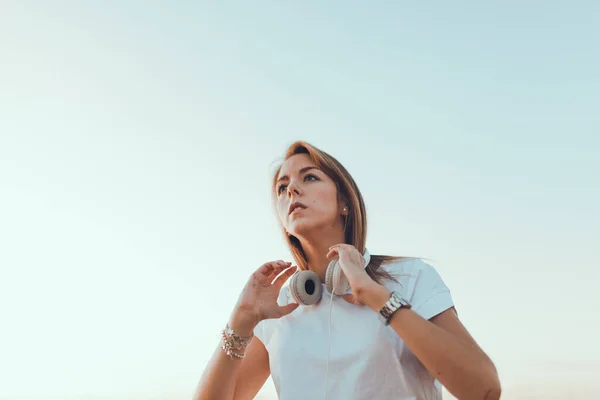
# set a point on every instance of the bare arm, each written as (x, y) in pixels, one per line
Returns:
(226, 378)
(230, 378)
(445, 348)
(442, 343)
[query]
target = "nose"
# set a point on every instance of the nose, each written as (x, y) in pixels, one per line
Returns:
(292, 188)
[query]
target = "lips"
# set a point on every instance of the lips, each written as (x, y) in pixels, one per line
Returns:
(296, 205)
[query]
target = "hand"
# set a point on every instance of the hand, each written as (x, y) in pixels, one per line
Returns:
(352, 263)
(258, 299)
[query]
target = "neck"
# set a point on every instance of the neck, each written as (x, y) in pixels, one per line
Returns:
(316, 249)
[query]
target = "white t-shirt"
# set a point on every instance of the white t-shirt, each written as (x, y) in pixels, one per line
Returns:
(367, 359)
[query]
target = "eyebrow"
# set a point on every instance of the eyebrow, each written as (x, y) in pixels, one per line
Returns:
(303, 170)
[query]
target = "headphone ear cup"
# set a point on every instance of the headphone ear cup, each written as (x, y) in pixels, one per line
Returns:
(335, 278)
(329, 275)
(367, 257)
(305, 287)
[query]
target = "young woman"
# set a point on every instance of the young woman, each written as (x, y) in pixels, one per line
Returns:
(393, 334)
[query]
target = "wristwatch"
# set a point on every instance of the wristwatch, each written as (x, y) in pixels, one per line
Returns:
(394, 303)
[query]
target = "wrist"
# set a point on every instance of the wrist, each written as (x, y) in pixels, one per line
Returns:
(243, 323)
(374, 295)
(233, 344)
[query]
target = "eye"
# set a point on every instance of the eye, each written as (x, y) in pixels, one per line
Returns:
(307, 177)
(311, 176)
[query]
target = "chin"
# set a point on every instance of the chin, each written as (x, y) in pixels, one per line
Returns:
(301, 229)
(299, 233)
(304, 229)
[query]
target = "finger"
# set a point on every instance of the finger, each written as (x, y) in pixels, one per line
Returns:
(343, 247)
(288, 308)
(271, 279)
(264, 272)
(333, 252)
(276, 272)
(281, 279)
(268, 267)
(352, 300)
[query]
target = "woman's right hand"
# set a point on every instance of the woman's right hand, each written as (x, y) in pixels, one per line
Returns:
(258, 299)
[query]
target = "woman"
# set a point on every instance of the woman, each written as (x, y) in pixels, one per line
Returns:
(393, 335)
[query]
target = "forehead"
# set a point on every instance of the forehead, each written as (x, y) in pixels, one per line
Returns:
(295, 163)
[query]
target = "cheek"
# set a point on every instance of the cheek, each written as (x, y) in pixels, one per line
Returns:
(325, 201)
(281, 212)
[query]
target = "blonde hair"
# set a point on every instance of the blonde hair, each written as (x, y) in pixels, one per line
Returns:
(355, 223)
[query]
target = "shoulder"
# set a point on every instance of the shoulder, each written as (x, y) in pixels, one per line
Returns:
(412, 268)
(420, 284)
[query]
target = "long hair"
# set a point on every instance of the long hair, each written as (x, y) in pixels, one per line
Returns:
(355, 223)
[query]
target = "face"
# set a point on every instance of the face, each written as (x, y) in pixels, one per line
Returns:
(309, 194)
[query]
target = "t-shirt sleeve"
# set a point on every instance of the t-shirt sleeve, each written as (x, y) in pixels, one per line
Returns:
(423, 287)
(259, 332)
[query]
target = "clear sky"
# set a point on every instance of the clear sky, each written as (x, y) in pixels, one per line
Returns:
(137, 141)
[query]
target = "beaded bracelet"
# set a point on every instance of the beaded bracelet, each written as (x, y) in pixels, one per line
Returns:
(233, 344)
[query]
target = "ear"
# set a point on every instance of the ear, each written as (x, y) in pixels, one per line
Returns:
(345, 209)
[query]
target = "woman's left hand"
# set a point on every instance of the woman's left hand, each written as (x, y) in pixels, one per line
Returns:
(353, 266)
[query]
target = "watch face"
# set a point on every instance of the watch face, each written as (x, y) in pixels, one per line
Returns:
(394, 303)
(396, 300)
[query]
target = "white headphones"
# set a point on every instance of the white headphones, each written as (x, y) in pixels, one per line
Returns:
(305, 286)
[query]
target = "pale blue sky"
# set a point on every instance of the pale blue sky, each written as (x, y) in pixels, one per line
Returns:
(137, 141)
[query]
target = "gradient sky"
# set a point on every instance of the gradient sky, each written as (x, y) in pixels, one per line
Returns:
(137, 141)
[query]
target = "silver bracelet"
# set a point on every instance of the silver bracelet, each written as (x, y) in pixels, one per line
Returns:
(232, 344)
